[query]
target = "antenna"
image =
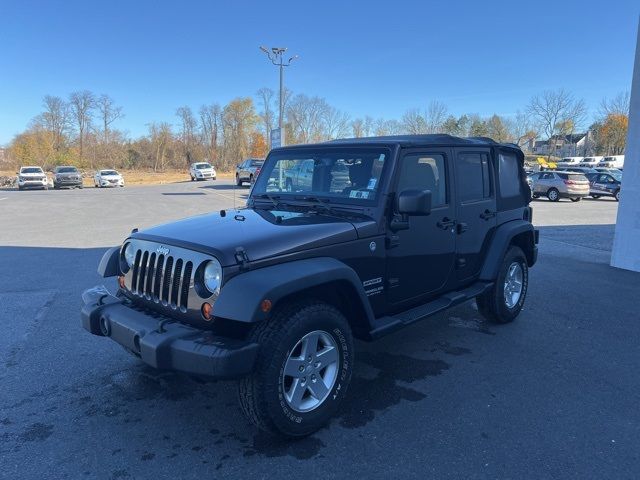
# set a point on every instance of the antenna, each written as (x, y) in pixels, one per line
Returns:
(235, 185)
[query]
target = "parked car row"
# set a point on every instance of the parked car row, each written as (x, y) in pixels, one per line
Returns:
(575, 185)
(611, 161)
(65, 177)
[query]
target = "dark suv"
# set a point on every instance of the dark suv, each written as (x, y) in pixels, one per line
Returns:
(275, 293)
(67, 176)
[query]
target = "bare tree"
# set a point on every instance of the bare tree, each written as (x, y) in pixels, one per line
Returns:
(435, 116)
(557, 112)
(160, 137)
(55, 119)
(336, 123)
(266, 98)
(188, 127)
(618, 105)
(82, 104)
(109, 113)
(211, 129)
(413, 122)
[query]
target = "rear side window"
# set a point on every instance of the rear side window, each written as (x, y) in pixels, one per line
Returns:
(508, 175)
(474, 181)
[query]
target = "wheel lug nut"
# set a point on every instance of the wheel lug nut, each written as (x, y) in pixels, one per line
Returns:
(301, 368)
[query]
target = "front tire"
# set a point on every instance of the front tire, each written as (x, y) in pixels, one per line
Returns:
(575, 199)
(617, 196)
(238, 181)
(503, 302)
(553, 194)
(303, 369)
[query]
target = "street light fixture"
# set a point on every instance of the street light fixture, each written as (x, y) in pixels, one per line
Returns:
(275, 55)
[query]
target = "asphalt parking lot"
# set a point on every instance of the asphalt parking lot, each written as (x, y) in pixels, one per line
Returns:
(553, 395)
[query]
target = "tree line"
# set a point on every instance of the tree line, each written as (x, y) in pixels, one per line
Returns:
(82, 129)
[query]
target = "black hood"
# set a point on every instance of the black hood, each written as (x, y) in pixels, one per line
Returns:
(261, 233)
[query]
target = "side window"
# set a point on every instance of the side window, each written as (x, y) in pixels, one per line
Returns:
(602, 178)
(473, 174)
(509, 175)
(425, 172)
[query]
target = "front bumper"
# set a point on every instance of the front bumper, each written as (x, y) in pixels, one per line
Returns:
(164, 343)
(67, 183)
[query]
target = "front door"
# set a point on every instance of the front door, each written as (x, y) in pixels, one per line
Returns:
(476, 204)
(420, 258)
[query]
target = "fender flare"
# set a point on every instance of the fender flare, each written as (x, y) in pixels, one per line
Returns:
(109, 265)
(241, 296)
(500, 243)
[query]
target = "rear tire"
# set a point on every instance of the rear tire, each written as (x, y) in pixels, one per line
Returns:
(238, 181)
(617, 195)
(575, 199)
(268, 396)
(535, 195)
(504, 301)
(595, 197)
(553, 194)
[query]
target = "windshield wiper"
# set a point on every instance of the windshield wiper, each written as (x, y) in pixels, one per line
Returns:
(317, 201)
(275, 199)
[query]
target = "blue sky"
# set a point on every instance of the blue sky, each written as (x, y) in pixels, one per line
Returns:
(366, 58)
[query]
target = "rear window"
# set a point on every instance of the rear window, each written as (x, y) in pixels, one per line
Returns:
(576, 177)
(508, 175)
(257, 163)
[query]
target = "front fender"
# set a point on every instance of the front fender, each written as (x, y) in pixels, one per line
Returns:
(109, 264)
(240, 298)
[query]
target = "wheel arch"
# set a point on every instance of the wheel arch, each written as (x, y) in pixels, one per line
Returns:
(516, 232)
(321, 278)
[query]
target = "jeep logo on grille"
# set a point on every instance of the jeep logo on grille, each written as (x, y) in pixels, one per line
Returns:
(162, 250)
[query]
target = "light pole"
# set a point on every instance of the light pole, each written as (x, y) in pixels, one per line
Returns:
(275, 54)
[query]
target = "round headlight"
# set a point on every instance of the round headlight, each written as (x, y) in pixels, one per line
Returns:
(212, 277)
(129, 254)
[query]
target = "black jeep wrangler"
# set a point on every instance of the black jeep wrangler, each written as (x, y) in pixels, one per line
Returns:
(274, 293)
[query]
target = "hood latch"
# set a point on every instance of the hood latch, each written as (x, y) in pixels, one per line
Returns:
(241, 257)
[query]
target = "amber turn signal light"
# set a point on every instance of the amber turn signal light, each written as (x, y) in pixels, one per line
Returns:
(265, 305)
(206, 311)
(121, 281)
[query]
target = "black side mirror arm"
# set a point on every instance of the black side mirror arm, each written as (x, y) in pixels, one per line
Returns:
(399, 222)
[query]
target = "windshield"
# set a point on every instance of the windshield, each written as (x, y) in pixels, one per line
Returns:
(67, 170)
(346, 175)
(31, 170)
(202, 166)
(108, 172)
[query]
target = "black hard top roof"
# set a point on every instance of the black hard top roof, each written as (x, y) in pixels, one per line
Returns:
(438, 139)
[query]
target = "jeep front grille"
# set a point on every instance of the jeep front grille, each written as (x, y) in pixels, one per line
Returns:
(161, 279)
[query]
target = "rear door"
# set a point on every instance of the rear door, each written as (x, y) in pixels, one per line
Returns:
(476, 209)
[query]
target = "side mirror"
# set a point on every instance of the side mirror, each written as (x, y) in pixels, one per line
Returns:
(414, 202)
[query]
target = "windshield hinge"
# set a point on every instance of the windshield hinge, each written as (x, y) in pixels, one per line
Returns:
(241, 257)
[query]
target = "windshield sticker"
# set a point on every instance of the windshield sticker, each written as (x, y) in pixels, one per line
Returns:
(372, 184)
(381, 157)
(358, 194)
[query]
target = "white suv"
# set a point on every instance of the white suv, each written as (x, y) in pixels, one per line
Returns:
(32, 177)
(202, 171)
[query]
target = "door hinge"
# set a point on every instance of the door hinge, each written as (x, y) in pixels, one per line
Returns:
(392, 241)
(241, 257)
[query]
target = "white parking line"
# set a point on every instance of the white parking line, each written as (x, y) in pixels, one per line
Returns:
(4, 198)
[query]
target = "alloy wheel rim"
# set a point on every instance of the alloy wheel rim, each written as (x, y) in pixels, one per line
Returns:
(513, 284)
(310, 371)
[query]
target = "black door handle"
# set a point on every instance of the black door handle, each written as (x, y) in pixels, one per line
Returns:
(446, 223)
(461, 227)
(487, 214)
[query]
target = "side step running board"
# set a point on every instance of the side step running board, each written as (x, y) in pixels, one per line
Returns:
(392, 323)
